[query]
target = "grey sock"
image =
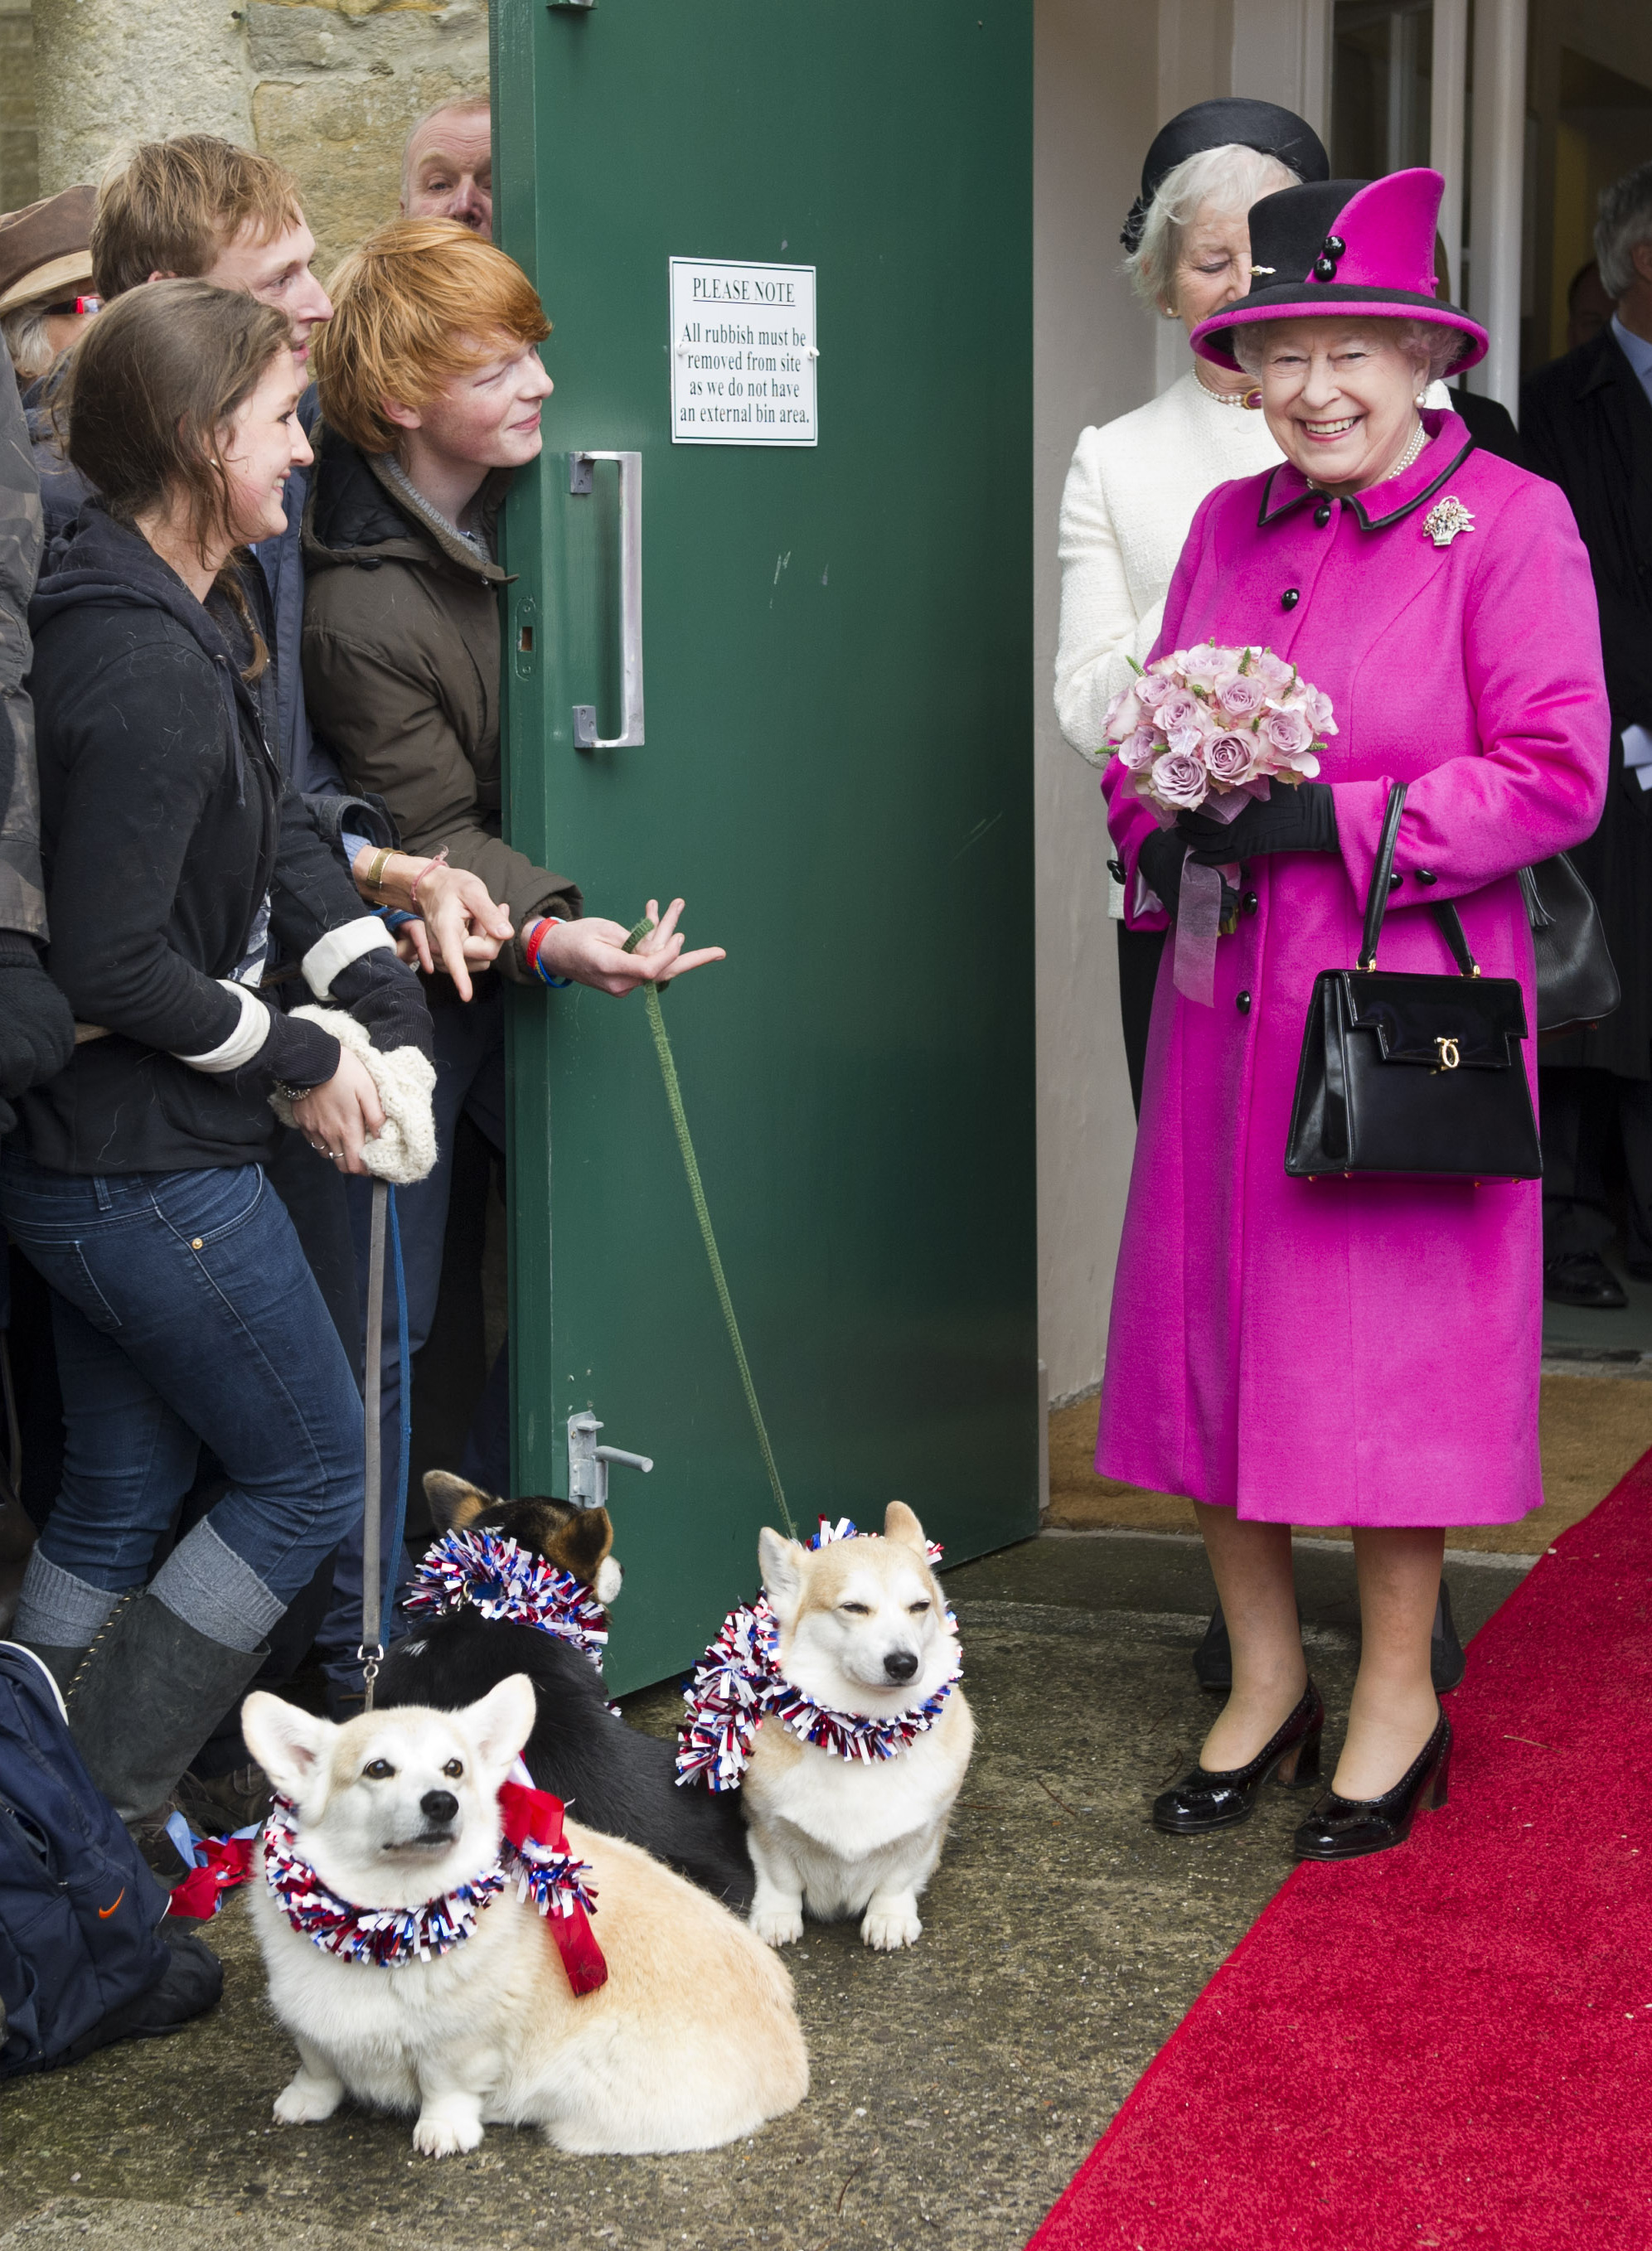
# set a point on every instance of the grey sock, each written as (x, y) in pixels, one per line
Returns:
(57, 1610)
(209, 1586)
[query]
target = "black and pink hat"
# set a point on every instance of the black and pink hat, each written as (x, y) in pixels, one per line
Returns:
(1340, 249)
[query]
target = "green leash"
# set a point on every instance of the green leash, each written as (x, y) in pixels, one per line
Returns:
(691, 1166)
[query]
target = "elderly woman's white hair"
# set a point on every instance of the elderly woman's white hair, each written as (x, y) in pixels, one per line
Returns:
(1433, 351)
(1228, 179)
(1624, 222)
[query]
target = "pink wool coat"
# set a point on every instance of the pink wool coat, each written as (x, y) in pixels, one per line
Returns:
(1347, 1352)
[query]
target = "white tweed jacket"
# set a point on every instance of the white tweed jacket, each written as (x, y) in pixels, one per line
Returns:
(1130, 498)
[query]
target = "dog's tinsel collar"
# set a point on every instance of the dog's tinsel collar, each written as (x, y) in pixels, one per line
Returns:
(502, 1579)
(546, 1873)
(738, 1683)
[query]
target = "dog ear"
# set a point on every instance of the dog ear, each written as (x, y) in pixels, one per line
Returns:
(782, 1562)
(580, 1544)
(502, 1722)
(290, 1745)
(454, 1501)
(902, 1526)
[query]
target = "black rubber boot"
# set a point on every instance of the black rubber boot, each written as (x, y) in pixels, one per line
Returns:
(147, 1696)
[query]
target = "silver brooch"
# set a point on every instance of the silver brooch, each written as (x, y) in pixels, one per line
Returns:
(1445, 520)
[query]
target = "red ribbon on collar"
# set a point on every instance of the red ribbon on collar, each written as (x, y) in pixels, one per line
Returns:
(534, 1814)
(227, 1862)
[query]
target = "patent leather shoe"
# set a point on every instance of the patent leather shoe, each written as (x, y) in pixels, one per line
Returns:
(1213, 1658)
(1348, 1828)
(1580, 1278)
(1203, 1799)
(1446, 1663)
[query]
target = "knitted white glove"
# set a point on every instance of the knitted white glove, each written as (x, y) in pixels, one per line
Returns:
(405, 1149)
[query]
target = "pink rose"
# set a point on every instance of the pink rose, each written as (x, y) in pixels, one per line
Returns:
(1202, 665)
(1180, 781)
(1241, 695)
(1152, 688)
(1122, 714)
(1273, 673)
(1286, 732)
(1316, 710)
(1139, 749)
(1178, 709)
(1227, 759)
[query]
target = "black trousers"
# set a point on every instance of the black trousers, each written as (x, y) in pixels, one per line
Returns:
(1138, 952)
(1597, 1140)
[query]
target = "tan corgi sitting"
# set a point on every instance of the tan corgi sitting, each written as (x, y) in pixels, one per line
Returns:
(864, 1631)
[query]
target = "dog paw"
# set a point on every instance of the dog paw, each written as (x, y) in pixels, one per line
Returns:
(441, 2136)
(777, 1926)
(306, 2102)
(891, 1927)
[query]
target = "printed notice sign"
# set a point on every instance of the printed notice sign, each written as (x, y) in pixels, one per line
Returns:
(743, 354)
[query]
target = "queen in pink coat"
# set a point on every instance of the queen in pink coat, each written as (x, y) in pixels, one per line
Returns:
(1347, 1352)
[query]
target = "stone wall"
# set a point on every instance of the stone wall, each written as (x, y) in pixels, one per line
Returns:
(328, 86)
(19, 163)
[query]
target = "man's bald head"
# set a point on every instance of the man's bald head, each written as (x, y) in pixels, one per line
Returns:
(447, 165)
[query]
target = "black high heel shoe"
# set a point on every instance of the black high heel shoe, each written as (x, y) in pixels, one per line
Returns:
(1205, 1800)
(1347, 1828)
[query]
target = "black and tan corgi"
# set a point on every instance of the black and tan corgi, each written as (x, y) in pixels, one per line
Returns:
(610, 1775)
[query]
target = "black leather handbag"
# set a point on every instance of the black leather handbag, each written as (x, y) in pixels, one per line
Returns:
(1577, 984)
(1408, 1076)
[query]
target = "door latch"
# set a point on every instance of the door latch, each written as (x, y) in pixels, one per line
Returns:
(589, 1463)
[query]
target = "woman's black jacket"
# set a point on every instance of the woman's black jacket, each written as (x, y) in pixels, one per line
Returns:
(164, 826)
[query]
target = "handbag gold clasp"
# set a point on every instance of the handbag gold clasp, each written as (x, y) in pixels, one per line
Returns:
(1449, 1056)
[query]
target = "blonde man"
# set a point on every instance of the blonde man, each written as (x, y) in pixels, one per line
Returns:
(431, 387)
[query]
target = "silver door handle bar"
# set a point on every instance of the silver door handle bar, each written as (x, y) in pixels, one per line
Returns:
(586, 737)
(589, 1463)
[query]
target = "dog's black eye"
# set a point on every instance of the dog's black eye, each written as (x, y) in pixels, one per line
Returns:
(855, 1610)
(379, 1771)
(916, 1609)
(453, 1769)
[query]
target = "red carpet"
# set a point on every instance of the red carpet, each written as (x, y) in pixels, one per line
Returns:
(1450, 2043)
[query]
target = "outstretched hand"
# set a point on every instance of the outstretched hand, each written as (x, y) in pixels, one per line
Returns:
(592, 952)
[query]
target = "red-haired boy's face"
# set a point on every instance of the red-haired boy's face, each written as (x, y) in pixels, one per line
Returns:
(487, 416)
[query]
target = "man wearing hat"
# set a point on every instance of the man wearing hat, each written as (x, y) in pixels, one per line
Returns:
(46, 279)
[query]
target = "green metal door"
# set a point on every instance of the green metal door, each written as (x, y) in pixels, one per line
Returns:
(835, 771)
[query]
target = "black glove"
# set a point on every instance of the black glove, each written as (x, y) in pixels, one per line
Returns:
(36, 1024)
(1302, 819)
(1161, 859)
(382, 994)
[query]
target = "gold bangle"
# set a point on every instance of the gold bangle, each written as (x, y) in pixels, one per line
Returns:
(374, 878)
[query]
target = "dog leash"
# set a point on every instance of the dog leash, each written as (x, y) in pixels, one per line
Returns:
(379, 1575)
(679, 1119)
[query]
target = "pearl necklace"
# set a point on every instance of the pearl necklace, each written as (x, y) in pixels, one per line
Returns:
(1251, 398)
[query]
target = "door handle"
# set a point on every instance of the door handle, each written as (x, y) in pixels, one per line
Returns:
(586, 737)
(589, 1463)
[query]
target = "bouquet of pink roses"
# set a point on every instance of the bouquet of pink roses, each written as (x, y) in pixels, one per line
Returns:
(1220, 720)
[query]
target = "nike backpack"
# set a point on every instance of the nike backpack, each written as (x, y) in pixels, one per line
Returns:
(79, 1912)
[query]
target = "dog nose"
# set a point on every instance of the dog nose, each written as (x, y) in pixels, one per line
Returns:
(900, 1665)
(438, 1805)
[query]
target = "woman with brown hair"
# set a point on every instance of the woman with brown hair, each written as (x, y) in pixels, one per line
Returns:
(185, 1313)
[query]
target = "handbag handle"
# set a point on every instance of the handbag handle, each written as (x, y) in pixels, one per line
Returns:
(1376, 898)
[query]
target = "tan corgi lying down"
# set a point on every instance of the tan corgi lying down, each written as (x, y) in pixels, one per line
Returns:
(691, 2043)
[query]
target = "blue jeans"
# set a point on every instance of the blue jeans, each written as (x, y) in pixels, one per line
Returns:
(185, 1313)
(470, 1078)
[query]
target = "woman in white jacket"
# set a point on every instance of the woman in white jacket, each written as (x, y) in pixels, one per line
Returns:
(1134, 485)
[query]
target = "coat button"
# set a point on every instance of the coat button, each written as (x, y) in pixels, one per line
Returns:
(1423, 876)
(1242, 1003)
(1290, 598)
(1395, 880)
(1322, 514)
(1249, 903)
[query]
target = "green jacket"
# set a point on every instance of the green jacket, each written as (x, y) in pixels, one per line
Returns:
(401, 674)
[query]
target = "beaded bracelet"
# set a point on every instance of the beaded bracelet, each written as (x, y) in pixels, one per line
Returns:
(531, 949)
